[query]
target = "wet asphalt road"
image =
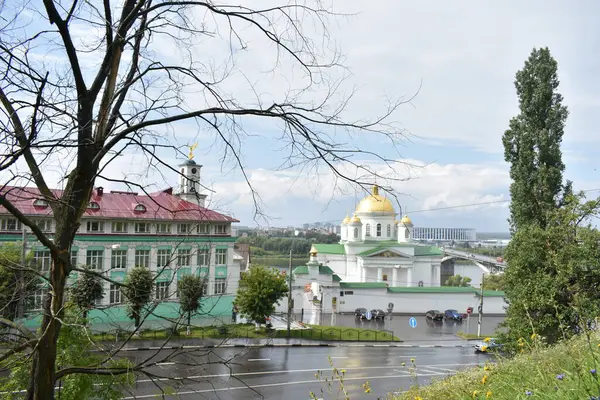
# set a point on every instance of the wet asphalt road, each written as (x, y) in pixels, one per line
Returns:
(289, 373)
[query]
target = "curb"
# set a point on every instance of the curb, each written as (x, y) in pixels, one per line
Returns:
(218, 346)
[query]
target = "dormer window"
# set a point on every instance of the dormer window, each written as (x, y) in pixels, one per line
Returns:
(93, 205)
(140, 208)
(40, 203)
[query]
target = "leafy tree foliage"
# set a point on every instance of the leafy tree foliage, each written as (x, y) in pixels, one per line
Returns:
(494, 282)
(260, 289)
(86, 291)
(11, 292)
(283, 245)
(458, 280)
(138, 292)
(552, 284)
(190, 294)
(532, 143)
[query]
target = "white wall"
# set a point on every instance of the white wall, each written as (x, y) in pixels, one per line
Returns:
(470, 270)
(412, 303)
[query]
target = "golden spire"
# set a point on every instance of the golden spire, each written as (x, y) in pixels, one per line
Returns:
(192, 148)
(375, 190)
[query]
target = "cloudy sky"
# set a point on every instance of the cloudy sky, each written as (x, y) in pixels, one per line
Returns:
(458, 60)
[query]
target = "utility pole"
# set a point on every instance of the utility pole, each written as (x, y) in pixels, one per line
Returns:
(289, 313)
(480, 311)
(20, 276)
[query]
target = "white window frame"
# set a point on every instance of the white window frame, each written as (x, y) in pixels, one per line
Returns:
(163, 228)
(139, 225)
(203, 229)
(220, 229)
(43, 259)
(184, 257)
(163, 258)
(378, 230)
(162, 290)
(115, 296)
(122, 224)
(221, 256)
(74, 256)
(45, 225)
(368, 230)
(95, 259)
(118, 259)
(220, 286)
(11, 224)
(184, 228)
(142, 258)
(38, 298)
(203, 257)
(99, 225)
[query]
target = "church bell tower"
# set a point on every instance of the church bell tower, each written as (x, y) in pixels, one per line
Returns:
(189, 180)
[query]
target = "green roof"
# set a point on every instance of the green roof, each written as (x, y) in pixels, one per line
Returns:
(363, 285)
(445, 289)
(371, 251)
(336, 278)
(428, 251)
(492, 293)
(329, 248)
(303, 270)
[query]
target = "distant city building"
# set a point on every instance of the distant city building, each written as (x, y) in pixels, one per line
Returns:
(445, 234)
(171, 234)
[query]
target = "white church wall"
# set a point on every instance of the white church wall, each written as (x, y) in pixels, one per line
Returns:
(471, 271)
(417, 303)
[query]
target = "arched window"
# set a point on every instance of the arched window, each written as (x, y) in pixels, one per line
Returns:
(368, 230)
(420, 283)
(140, 208)
(389, 230)
(355, 233)
(406, 233)
(93, 205)
(378, 230)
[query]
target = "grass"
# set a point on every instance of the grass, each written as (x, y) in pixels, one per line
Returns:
(243, 331)
(469, 336)
(564, 371)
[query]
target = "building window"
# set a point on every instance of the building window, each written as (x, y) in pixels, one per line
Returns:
(378, 230)
(119, 227)
(42, 259)
(41, 203)
(162, 290)
(142, 227)
(142, 258)
(205, 286)
(348, 292)
(184, 228)
(368, 230)
(220, 285)
(389, 230)
(74, 255)
(45, 225)
(93, 205)
(140, 208)
(355, 233)
(384, 277)
(163, 258)
(95, 226)
(220, 229)
(94, 259)
(11, 224)
(163, 228)
(115, 294)
(118, 259)
(204, 229)
(37, 300)
(406, 233)
(184, 257)
(221, 256)
(203, 257)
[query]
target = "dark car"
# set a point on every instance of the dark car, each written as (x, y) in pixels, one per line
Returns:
(360, 313)
(453, 315)
(378, 314)
(435, 315)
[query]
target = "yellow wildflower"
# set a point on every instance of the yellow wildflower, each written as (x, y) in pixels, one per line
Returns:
(404, 364)
(474, 393)
(343, 371)
(487, 340)
(533, 336)
(484, 379)
(486, 368)
(418, 398)
(488, 394)
(412, 360)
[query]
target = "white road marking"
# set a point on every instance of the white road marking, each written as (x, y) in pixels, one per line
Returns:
(445, 369)
(334, 357)
(259, 359)
(148, 396)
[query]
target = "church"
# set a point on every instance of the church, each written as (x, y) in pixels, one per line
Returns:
(375, 247)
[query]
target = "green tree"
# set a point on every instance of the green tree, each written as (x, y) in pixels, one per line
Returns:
(86, 291)
(552, 284)
(494, 282)
(190, 292)
(260, 289)
(11, 271)
(532, 143)
(138, 292)
(458, 280)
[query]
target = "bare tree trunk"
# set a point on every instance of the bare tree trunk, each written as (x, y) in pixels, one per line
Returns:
(188, 331)
(44, 360)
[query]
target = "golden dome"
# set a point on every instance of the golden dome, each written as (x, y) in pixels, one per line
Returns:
(406, 221)
(374, 203)
(346, 220)
(355, 219)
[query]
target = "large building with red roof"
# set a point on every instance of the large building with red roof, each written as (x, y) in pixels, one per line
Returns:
(171, 232)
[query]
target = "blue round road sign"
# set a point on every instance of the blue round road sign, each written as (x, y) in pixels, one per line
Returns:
(412, 322)
(368, 315)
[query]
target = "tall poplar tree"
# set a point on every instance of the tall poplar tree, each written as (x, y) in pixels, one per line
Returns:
(532, 143)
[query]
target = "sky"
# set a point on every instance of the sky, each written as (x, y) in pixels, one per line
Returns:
(453, 64)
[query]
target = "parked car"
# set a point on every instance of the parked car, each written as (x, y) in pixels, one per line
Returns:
(453, 315)
(360, 313)
(378, 314)
(500, 259)
(435, 315)
(487, 346)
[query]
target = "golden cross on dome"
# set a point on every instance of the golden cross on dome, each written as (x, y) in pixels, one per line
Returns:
(192, 148)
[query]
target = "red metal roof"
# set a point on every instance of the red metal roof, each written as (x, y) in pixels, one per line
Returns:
(159, 206)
